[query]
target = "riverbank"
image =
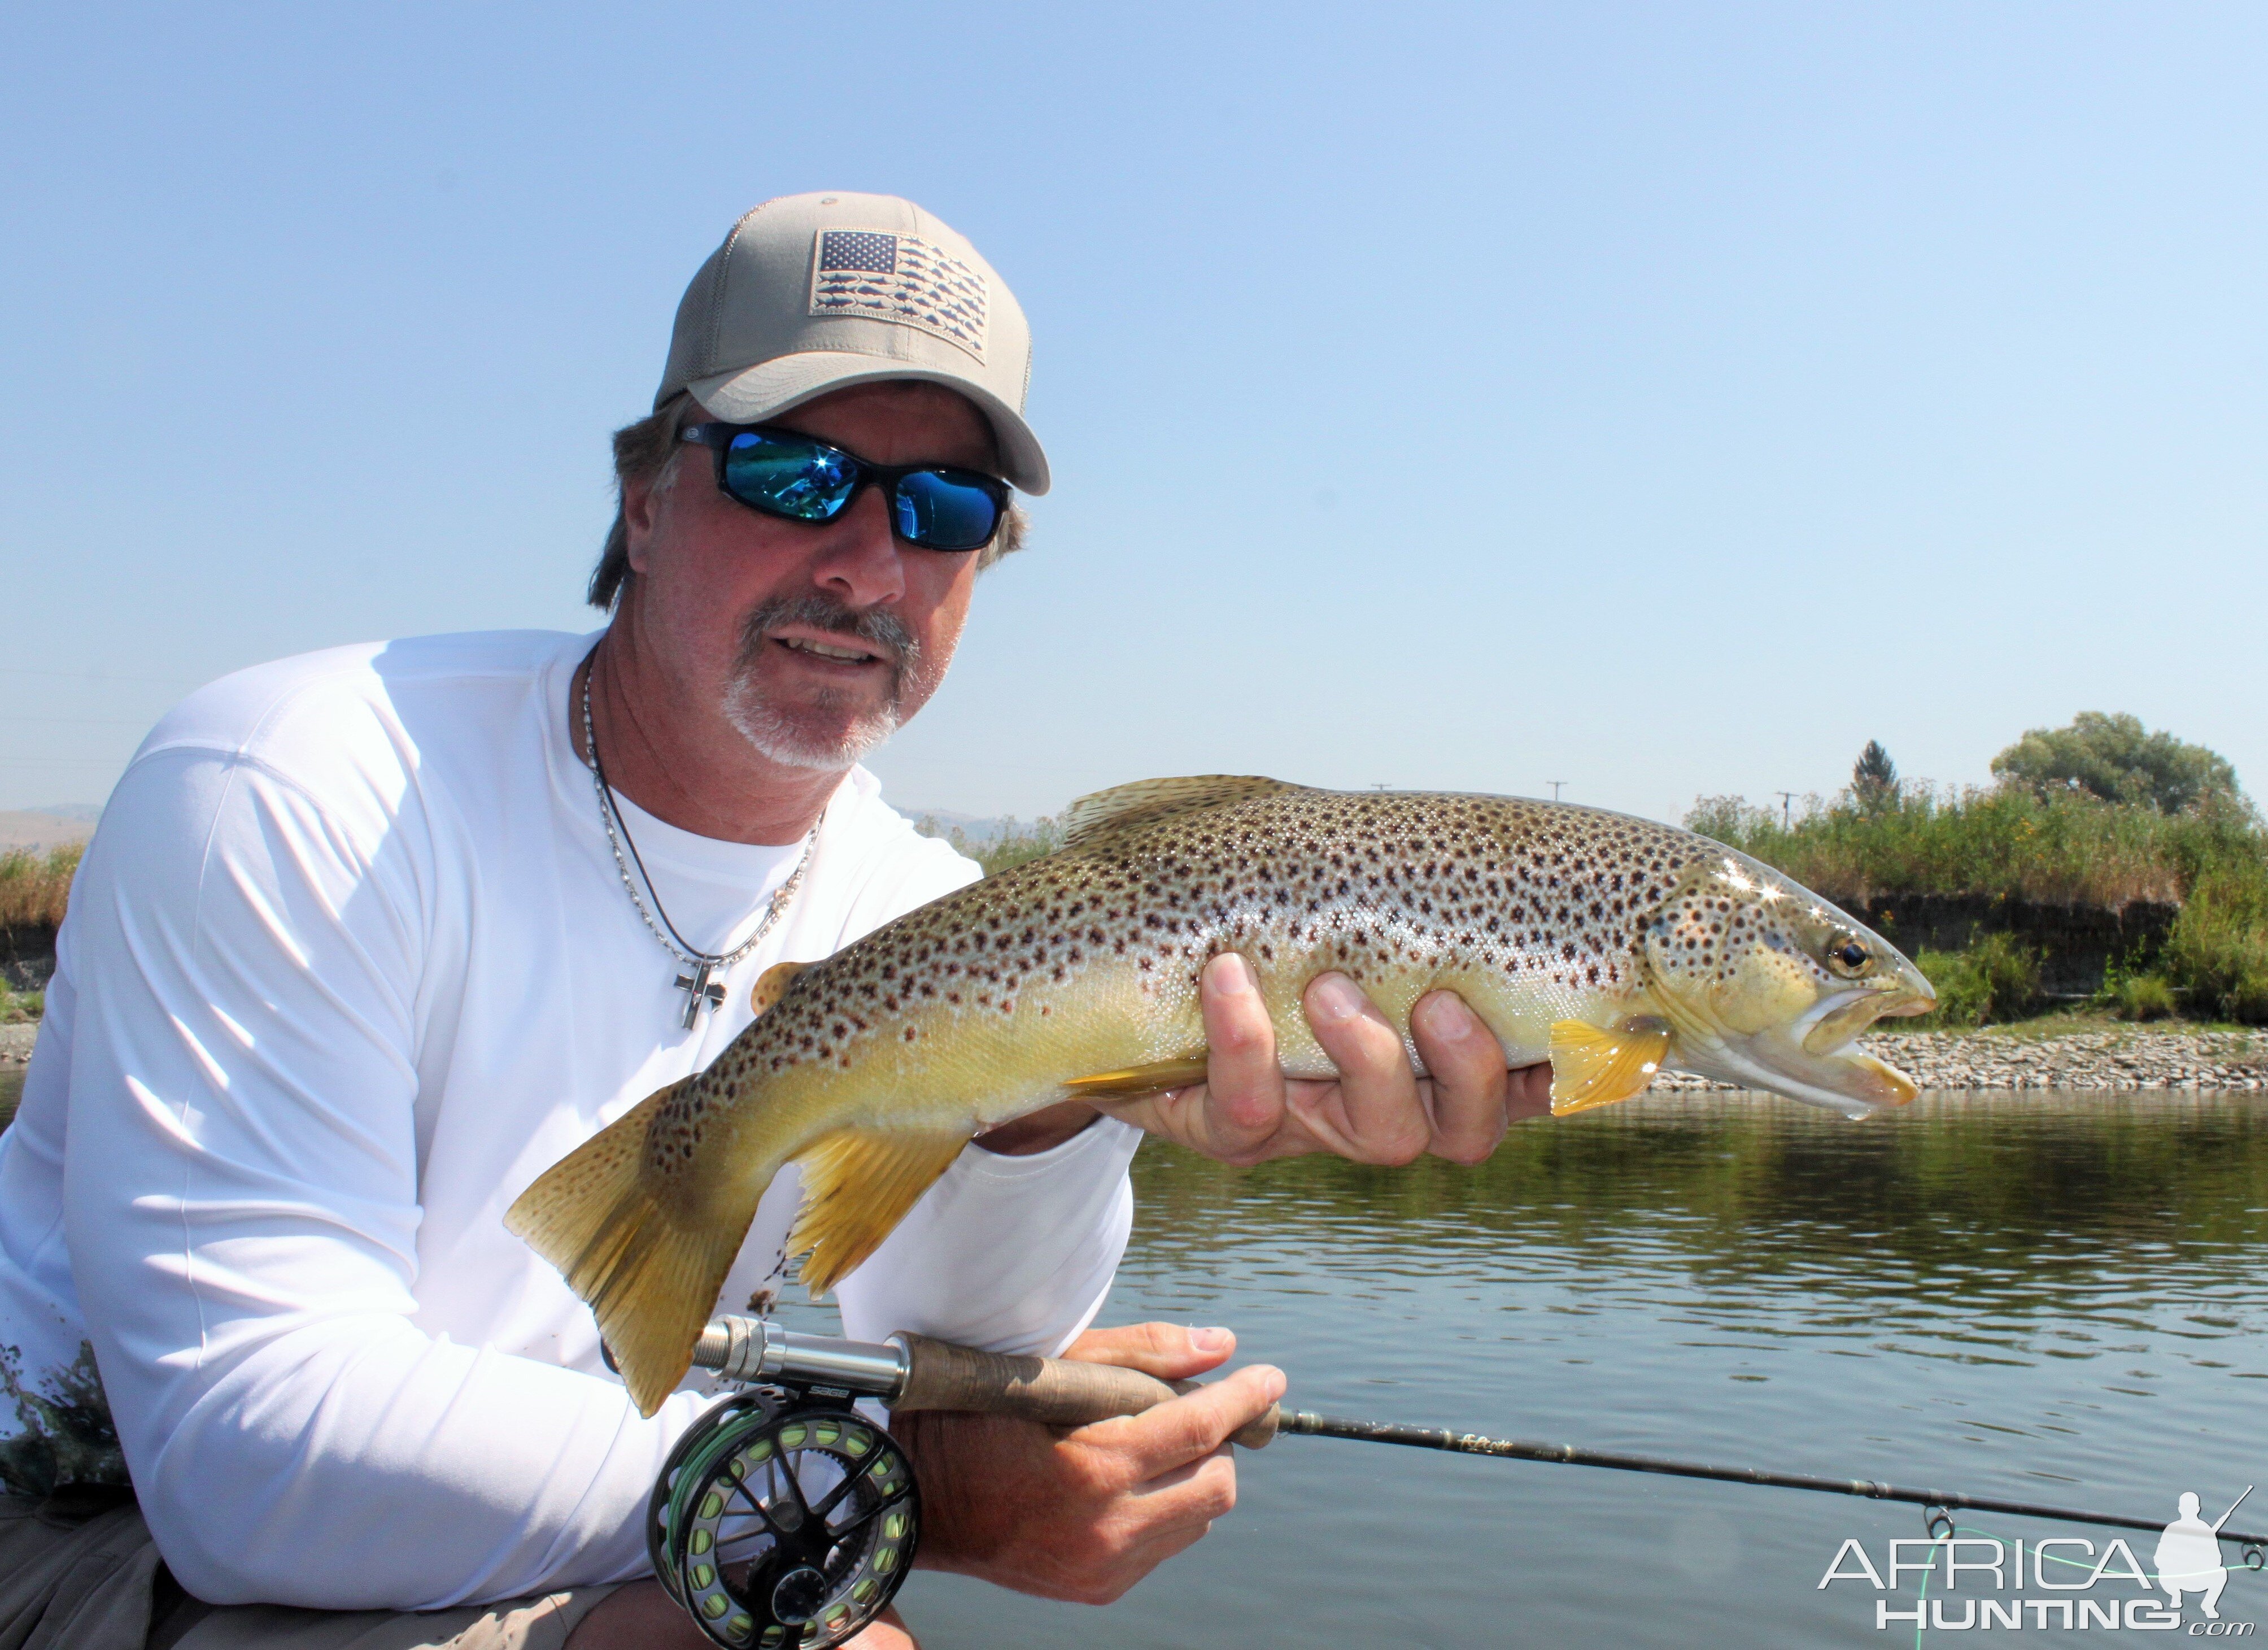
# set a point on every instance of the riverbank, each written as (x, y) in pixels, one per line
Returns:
(2042, 1055)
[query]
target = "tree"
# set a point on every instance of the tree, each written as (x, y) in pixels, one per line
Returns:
(2118, 759)
(1875, 778)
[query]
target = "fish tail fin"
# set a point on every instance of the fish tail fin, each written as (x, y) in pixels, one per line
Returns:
(649, 1266)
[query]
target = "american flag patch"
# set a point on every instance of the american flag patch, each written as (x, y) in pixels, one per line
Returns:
(901, 278)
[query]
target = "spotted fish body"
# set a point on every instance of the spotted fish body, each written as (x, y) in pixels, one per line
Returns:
(1612, 946)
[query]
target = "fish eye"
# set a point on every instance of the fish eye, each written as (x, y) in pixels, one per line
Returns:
(1849, 957)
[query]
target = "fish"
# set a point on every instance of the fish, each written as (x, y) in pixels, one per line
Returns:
(1613, 946)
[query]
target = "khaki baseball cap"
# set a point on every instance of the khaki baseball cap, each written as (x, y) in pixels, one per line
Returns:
(813, 293)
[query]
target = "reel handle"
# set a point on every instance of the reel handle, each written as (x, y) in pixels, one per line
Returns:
(1059, 1391)
(913, 1371)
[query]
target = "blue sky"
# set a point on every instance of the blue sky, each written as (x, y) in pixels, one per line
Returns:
(1663, 400)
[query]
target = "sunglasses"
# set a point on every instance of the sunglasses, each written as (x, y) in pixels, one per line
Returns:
(797, 479)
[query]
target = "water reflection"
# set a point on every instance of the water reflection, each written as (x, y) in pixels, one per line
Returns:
(2051, 1297)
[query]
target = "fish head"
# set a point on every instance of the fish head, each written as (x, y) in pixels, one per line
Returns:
(1767, 985)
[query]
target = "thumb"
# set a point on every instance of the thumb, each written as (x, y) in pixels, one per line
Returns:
(1167, 1350)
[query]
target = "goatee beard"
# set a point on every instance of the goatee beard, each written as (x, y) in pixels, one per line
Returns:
(784, 734)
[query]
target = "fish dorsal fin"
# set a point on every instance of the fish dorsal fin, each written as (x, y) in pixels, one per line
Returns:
(772, 983)
(1148, 800)
(857, 1184)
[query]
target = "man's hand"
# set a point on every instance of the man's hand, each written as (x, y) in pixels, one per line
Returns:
(1085, 1515)
(1376, 1112)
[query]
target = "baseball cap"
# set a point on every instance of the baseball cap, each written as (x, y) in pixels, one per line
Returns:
(813, 293)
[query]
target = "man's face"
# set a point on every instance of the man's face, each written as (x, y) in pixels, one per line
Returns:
(815, 641)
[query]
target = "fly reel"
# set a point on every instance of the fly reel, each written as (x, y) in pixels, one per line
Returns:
(784, 1518)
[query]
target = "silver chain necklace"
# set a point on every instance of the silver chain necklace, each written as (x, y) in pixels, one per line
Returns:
(702, 987)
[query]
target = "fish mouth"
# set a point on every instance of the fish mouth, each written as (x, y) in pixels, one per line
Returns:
(1856, 1084)
(1838, 1021)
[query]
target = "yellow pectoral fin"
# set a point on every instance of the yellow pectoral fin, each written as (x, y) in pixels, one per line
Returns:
(857, 1184)
(1594, 1066)
(772, 983)
(1158, 1078)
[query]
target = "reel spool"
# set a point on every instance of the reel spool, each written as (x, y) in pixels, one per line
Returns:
(784, 1520)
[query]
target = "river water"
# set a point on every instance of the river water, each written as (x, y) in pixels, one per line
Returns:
(2045, 1297)
(2039, 1297)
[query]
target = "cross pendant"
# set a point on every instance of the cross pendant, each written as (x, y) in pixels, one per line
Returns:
(700, 989)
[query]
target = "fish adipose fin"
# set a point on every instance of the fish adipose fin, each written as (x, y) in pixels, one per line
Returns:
(857, 1184)
(1159, 1077)
(1146, 799)
(650, 1272)
(1595, 1066)
(772, 983)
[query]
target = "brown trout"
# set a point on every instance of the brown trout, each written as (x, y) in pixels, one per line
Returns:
(1613, 946)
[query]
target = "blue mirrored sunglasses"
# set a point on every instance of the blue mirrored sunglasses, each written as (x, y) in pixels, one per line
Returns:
(793, 476)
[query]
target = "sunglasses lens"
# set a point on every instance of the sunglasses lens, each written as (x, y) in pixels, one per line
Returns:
(941, 511)
(801, 480)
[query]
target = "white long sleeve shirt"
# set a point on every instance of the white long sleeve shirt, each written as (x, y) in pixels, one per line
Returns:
(348, 963)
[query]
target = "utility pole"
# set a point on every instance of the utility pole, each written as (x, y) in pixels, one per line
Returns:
(1786, 809)
(1555, 785)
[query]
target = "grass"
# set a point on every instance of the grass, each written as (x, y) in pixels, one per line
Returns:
(35, 887)
(2008, 841)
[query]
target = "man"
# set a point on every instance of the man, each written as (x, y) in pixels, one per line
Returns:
(369, 939)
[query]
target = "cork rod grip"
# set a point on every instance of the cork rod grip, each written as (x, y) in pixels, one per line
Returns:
(1060, 1392)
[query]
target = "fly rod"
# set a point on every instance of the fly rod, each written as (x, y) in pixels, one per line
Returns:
(786, 1518)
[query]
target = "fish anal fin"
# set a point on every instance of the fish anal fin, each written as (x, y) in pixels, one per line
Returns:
(857, 1184)
(1157, 1077)
(1598, 1065)
(1148, 799)
(650, 1264)
(772, 983)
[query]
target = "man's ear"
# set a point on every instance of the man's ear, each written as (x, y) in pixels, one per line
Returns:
(641, 505)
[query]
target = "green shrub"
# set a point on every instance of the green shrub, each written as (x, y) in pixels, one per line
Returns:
(19, 1006)
(2218, 953)
(1997, 978)
(2140, 996)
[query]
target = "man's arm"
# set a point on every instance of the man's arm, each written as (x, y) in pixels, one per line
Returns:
(242, 1212)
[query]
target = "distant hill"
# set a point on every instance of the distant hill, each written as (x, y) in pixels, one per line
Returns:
(53, 827)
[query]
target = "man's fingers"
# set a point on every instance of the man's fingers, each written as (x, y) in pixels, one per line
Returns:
(1244, 1098)
(1468, 1076)
(1191, 1427)
(1527, 1091)
(1380, 1119)
(1167, 1350)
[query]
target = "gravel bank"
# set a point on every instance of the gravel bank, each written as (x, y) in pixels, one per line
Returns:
(2228, 1061)
(16, 1043)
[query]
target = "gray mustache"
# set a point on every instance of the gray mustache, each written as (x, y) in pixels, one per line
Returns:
(877, 625)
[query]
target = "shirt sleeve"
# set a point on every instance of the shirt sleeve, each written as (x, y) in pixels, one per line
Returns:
(241, 1205)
